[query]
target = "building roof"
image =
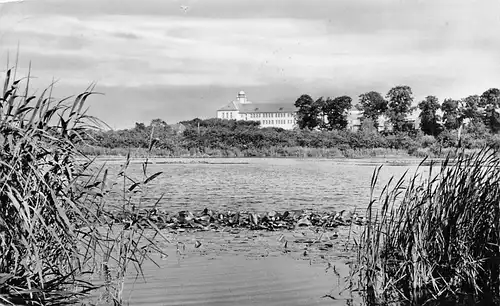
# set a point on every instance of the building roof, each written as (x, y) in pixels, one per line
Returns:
(250, 107)
(267, 108)
(229, 107)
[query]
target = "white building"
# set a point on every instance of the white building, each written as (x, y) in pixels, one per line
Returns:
(280, 115)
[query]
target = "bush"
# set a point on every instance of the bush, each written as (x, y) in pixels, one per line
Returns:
(427, 141)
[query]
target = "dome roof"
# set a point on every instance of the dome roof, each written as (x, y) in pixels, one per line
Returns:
(241, 93)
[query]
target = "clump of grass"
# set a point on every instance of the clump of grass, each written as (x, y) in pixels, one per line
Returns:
(434, 238)
(54, 228)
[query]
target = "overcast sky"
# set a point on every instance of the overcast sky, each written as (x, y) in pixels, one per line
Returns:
(181, 59)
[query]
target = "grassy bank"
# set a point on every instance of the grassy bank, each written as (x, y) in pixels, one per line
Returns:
(231, 138)
(294, 152)
(435, 239)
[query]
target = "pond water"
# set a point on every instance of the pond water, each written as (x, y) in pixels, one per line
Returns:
(255, 267)
(265, 184)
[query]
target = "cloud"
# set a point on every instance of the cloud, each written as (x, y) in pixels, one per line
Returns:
(125, 35)
(280, 48)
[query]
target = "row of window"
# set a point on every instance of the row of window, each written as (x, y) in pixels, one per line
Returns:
(277, 121)
(227, 115)
(270, 115)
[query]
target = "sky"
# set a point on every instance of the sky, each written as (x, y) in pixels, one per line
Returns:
(181, 59)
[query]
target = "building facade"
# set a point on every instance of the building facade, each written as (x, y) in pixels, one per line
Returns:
(278, 115)
(283, 115)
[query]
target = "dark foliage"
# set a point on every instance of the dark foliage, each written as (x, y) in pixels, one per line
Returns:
(373, 105)
(308, 112)
(335, 110)
(400, 99)
(429, 120)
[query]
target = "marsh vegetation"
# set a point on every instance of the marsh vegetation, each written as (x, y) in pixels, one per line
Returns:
(434, 239)
(54, 233)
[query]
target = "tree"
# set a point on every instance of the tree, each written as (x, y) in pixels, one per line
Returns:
(470, 108)
(490, 100)
(307, 113)
(336, 111)
(139, 126)
(400, 99)
(429, 120)
(319, 105)
(490, 97)
(372, 104)
(158, 123)
(451, 114)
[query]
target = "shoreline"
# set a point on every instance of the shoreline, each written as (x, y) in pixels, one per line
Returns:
(162, 160)
(298, 153)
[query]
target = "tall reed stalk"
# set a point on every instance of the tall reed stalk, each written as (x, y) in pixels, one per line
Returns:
(54, 225)
(435, 238)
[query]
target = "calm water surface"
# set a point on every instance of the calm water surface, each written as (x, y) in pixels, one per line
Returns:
(250, 268)
(266, 184)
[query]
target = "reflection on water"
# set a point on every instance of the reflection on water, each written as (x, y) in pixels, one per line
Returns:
(247, 269)
(235, 280)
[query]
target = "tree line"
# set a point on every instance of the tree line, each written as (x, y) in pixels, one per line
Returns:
(478, 111)
(329, 113)
(322, 124)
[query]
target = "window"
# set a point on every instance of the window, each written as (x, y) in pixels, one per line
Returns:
(231, 115)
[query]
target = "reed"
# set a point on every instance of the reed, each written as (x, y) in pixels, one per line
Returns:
(54, 231)
(434, 238)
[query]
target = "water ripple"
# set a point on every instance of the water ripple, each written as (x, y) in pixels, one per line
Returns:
(264, 184)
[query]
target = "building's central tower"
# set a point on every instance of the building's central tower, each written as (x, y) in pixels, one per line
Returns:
(242, 98)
